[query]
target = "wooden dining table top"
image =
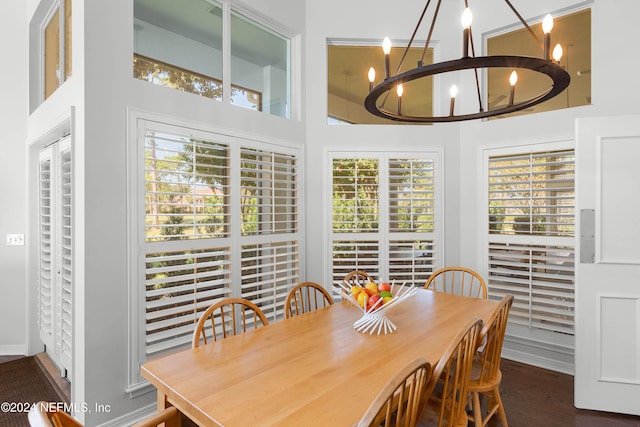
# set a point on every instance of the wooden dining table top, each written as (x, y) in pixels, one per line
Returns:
(310, 370)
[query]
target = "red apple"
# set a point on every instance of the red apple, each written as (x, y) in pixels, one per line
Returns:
(384, 287)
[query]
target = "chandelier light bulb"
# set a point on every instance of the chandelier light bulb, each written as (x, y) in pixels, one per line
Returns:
(547, 24)
(400, 90)
(557, 53)
(386, 46)
(466, 18)
(372, 77)
(453, 92)
(513, 78)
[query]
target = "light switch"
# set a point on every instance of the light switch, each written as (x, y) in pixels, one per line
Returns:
(15, 239)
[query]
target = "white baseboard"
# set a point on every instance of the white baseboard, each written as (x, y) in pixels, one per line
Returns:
(543, 355)
(131, 418)
(13, 350)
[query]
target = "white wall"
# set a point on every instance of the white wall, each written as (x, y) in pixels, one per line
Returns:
(13, 178)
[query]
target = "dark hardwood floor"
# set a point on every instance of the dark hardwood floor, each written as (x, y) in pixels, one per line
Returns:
(536, 397)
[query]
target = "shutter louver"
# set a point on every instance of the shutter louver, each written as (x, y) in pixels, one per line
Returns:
(355, 195)
(355, 255)
(66, 256)
(269, 271)
(179, 286)
(45, 275)
(269, 192)
(541, 279)
(411, 262)
(187, 188)
(411, 195)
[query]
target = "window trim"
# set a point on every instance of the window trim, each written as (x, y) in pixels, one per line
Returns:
(136, 253)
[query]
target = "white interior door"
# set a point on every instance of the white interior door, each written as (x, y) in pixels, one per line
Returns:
(607, 360)
(55, 253)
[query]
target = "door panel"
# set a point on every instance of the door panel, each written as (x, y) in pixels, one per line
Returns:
(607, 376)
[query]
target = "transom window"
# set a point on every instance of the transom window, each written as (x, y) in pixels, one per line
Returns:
(348, 83)
(57, 47)
(182, 45)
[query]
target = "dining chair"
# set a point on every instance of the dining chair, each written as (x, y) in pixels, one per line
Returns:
(357, 278)
(46, 414)
(227, 317)
(304, 297)
(398, 403)
(485, 372)
(459, 281)
(447, 389)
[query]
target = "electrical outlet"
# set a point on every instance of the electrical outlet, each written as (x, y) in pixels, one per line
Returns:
(15, 239)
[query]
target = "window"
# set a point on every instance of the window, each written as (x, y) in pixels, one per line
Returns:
(348, 84)
(181, 45)
(385, 216)
(57, 48)
(573, 33)
(210, 232)
(531, 230)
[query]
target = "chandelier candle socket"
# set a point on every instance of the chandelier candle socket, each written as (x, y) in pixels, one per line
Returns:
(373, 315)
(378, 94)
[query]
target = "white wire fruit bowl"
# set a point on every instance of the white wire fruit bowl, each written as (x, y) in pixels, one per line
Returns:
(374, 319)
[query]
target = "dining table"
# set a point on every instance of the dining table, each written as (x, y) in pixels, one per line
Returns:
(314, 369)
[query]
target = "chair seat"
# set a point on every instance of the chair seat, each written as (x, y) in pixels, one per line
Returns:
(485, 383)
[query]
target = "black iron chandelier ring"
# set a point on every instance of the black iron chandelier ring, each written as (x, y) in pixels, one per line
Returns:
(560, 81)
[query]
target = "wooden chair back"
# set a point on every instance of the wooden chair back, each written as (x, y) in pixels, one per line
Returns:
(304, 297)
(228, 317)
(398, 403)
(459, 281)
(46, 414)
(448, 387)
(490, 343)
(357, 278)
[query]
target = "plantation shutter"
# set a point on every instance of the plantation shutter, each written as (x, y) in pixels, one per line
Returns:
(384, 217)
(412, 207)
(55, 268)
(46, 278)
(199, 216)
(66, 265)
(530, 237)
(269, 210)
(188, 261)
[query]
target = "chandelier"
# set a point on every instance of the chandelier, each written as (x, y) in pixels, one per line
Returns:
(548, 65)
